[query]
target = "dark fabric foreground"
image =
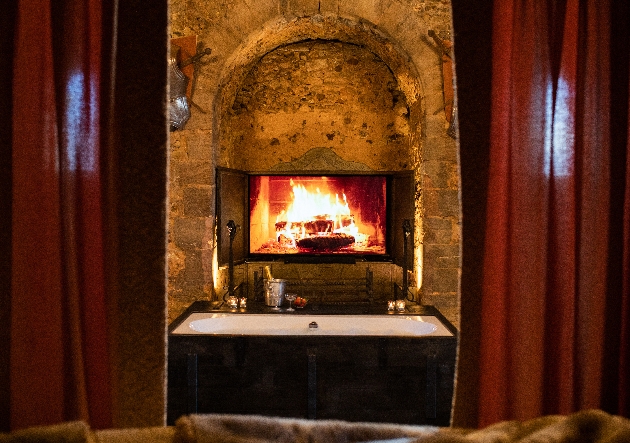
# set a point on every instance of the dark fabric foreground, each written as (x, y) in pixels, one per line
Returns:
(582, 427)
(585, 426)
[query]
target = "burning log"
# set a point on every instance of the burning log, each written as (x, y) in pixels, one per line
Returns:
(319, 226)
(283, 240)
(329, 242)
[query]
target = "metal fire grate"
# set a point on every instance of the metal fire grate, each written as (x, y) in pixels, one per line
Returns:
(344, 291)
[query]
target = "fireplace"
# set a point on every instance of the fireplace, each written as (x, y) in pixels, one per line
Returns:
(315, 217)
(306, 214)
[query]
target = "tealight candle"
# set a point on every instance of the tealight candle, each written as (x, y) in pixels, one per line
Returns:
(242, 302)
(232, 302)
(391, 305)
(400, 305)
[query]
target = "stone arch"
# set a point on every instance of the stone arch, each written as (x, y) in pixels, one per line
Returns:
(333, 27)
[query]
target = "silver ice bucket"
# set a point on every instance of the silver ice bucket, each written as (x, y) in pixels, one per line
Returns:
(274, 292)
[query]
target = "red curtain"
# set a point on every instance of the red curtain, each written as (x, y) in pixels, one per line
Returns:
(59, 360)
(624, 348)
(554, 310)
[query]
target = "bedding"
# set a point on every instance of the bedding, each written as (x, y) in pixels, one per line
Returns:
(589, 426)
(586, 426)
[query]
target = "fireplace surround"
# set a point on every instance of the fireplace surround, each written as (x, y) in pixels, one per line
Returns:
(338, 92)
(257, 228)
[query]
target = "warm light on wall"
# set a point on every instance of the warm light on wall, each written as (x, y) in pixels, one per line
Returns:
(418, 267)
(215, 264)
(418, 254)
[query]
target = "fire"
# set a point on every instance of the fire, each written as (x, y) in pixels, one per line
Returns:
(309, 205)
(317, 214)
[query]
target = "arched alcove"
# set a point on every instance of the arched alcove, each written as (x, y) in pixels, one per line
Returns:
(414, 126)
(318, 94)
(319, 71)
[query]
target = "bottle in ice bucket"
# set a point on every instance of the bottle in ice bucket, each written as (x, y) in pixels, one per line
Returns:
(267, 282)
(274, 290)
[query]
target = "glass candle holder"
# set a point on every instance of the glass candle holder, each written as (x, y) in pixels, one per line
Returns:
(400, 305)
(232, 302)
(242, 302)
(391, 305)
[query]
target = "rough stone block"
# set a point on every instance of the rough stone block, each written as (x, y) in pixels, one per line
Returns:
(436, 173)
(442, 280)
(176, 260)
(448, 262)
(435, 252)
(200, 116)
(193, 274)
(368, 10)
(393, 14)
(448, 202)
(176, 202)
(303, 8)
(452, 171)
(198, 201)
(440, 149)
(329, 6)
(438, 230)
(187, 233)
(199, 145)
(443, 300)
(433, 149)
(193, 173)
(430, 202)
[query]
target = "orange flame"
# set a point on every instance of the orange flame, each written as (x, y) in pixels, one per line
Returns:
(309, 206)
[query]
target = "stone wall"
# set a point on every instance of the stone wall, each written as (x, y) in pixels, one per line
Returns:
(318, 94)
(284, 77)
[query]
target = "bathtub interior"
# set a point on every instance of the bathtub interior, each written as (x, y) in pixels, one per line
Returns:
(398, 325)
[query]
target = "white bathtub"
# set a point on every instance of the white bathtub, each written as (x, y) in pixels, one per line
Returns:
(207, 323)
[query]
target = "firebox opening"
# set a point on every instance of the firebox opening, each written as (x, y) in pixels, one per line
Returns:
(298, 215)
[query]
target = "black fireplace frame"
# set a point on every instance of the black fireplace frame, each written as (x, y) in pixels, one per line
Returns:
(232, 203)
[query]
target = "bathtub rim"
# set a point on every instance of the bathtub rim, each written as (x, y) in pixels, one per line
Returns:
(216, 307)
(443, 329)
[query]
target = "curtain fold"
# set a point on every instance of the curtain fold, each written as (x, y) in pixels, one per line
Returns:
(551, 284)
(59, 361)
(7, 24)
(83, 161)
(623, 401)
